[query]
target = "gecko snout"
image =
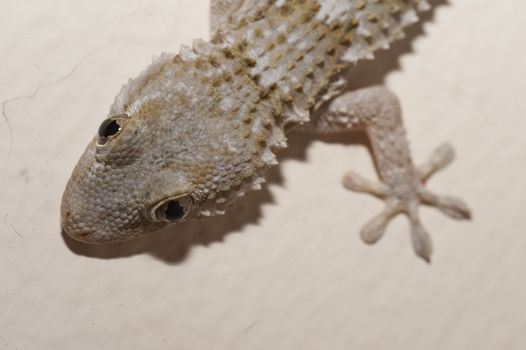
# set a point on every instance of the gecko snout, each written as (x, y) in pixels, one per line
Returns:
(72, 226)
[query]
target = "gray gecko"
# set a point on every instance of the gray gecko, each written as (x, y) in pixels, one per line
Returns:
(197, 130)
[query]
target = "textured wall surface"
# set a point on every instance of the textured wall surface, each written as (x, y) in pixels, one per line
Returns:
(286, 268)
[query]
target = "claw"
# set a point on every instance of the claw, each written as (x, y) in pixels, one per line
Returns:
(421, 240)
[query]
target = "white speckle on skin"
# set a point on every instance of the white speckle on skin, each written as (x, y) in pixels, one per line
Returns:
(226, 104)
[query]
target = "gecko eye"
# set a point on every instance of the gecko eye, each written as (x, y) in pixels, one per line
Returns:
(110, 127)
(173, 210)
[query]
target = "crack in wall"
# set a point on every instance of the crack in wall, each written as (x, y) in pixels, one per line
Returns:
(10, 132)
(53, 82)
(16, 231)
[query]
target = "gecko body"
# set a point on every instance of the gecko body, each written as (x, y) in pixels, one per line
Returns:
(198, 129)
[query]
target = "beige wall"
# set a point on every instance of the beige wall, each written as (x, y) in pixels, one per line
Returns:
(286, 268)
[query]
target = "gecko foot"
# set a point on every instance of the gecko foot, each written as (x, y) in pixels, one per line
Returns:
(406, 197)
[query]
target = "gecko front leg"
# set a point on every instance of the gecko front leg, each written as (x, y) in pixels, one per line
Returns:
(377, 110)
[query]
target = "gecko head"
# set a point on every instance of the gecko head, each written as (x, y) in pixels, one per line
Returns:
(176, 146)
(125, 185)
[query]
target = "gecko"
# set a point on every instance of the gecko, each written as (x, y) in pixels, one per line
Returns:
(197, 130)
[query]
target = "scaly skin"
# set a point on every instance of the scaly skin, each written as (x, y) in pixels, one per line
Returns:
(197, 130)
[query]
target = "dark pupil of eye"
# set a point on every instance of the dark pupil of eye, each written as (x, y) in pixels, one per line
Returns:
(108, 128)
(174, 211)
